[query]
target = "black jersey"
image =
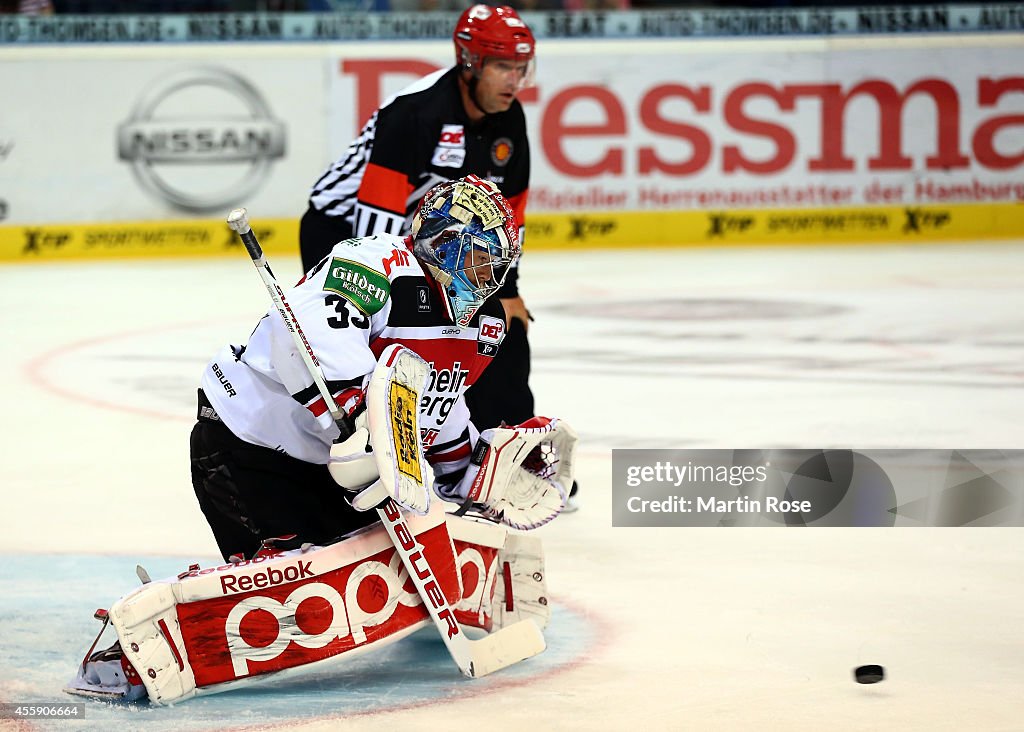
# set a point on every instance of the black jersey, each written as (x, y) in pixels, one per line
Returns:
(418, 138)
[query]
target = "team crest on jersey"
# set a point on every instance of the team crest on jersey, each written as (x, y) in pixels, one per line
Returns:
(492, 333)
(451, 147)
(365, 288)
(501, 151)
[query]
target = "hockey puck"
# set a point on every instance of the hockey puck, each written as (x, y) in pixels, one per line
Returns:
(870, 674)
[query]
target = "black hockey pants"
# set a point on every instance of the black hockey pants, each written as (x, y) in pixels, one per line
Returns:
(250, 493)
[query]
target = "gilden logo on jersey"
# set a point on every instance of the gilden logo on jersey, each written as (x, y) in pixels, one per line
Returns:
(311, 618)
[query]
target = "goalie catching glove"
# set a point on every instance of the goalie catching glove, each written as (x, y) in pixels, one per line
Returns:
(519, 476)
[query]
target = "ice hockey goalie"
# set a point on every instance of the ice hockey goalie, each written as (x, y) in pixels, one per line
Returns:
(285, 611)
(401, 328)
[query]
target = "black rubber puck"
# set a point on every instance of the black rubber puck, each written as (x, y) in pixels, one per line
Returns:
(870, 674)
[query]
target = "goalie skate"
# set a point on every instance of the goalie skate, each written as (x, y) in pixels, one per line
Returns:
(106, 674)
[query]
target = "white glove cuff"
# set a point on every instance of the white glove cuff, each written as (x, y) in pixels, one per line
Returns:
(351, 463)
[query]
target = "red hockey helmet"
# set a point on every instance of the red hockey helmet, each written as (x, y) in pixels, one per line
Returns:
(485, 32)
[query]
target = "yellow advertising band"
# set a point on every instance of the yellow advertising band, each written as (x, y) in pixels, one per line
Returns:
(584, 230)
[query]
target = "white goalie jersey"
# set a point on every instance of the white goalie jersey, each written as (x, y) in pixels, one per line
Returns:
(366, 295)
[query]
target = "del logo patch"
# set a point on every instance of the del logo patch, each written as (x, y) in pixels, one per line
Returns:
(492, 332)
(365, 288)
(452, 136)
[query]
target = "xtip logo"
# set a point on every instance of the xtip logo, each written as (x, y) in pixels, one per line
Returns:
(918, 219)
(585, 228)
(205, 161)
(722, 224)
(38, 241)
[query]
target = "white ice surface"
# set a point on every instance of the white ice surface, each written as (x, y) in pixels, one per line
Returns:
(722, 628)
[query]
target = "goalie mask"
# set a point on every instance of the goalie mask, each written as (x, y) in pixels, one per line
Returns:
(466, 235)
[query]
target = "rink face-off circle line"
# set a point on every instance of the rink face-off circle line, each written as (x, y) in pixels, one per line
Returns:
(41, 370)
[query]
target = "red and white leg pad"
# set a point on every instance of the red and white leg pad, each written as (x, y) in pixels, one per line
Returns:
(502, 575)
(209, 630)
(283, 612)
(521, 591)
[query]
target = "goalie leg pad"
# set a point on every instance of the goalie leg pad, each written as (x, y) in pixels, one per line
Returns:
(502, 574)
(520, 590)
(205, 631)
(477, 544)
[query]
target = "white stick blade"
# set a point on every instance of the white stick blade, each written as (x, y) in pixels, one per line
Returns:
(504, 648)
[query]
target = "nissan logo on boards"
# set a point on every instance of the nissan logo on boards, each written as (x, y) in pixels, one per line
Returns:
(202, 139)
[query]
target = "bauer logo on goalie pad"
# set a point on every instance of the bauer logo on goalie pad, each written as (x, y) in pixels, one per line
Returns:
(402, 405)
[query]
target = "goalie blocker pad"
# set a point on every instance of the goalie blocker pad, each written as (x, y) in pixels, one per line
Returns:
(214, 629)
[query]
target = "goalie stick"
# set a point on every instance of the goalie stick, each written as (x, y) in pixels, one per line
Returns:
(475, 658)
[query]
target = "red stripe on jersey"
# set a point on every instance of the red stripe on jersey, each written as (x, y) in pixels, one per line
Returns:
(518, 204)
(318, 407)
(458, 453)
(442, 352)
(384, 188)
(350, 399)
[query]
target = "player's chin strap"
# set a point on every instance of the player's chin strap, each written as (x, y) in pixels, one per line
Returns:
(471, 86)
(519, 476)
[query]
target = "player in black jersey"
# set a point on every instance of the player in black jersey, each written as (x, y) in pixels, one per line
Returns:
(454, 122)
